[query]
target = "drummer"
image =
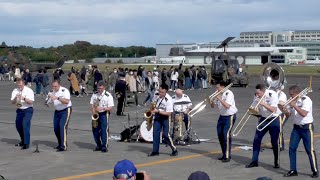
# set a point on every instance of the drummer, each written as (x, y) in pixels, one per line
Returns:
(182, 105)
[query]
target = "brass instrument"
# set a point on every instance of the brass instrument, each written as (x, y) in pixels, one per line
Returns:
(19, 100)
(216, 93)
(178, 126)
(48, 99)
(149, 116)
(272, 75)
(95, 115)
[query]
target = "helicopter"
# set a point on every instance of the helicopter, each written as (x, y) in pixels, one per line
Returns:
(15, 59)
(227, 69)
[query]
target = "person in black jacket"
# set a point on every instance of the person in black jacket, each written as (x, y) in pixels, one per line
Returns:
(120, 91)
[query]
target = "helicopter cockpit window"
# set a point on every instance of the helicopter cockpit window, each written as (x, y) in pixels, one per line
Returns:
(219, 66)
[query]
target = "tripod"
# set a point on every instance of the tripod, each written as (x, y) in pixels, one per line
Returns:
(191, 135)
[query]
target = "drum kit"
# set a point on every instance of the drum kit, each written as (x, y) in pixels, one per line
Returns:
(179, 133)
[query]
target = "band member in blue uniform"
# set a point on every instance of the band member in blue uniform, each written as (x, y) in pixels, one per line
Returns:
(101, 104)
(60, 97)
(120, 91)
(301, 111)
(164, 108)
(267, 106)
(227, 108)
(23, 98)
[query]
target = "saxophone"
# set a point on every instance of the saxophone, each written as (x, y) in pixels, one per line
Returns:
(95, 115)
(149, 116)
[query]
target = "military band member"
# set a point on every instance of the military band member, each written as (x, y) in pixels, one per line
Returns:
(267, 106)
(23, 98)
(120, 91)
(227, 108)
(301, 111)
(164, 108)
(182, 104)
(105, 104)
(60, 97)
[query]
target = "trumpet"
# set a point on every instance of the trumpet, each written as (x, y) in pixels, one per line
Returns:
(19, 100)
(48, 99)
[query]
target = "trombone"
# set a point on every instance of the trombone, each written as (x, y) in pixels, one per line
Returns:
(271, 74)
(200, 106)
(252, 110)
(302, 93)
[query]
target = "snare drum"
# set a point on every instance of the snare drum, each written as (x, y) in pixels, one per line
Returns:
(144, 133)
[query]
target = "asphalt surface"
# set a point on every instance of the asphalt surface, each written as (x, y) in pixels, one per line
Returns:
(80, 162)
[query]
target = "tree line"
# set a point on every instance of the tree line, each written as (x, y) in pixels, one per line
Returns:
(78, 50)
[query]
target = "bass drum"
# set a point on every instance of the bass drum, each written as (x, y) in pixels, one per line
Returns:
(144, 133)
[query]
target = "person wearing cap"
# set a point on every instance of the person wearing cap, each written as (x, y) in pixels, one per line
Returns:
(199, 175)
(60, 97)
(181, 106)
(226, 104)
(164, 108)
(125, 169)
(105, 101)
(120, 91)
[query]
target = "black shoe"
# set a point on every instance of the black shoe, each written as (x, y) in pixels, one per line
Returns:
(252, 164)
(174, 153)
(57, 147)
(225, 160)
(153, 154)
(291, 173)
(97, 149)
(20, 144)
(282, 149)
(60, 149)
(104, 150)
(121, 115)
(25, 146)
(315, 175)
(276, 166)
(221, 158)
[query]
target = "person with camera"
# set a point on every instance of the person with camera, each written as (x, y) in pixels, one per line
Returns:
(125, 169)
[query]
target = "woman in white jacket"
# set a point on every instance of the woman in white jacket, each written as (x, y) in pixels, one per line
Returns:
(174, 79)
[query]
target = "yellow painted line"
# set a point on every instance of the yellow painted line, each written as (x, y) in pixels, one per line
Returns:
(108, 171)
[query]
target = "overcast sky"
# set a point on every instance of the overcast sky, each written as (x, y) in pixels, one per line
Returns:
(147, 22)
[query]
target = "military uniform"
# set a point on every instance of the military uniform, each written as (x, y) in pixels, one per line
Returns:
(24, 115)
(271, 98)
(162, 122)
(303, 129)
(100, 133)
(61, 118)
(182, 105)
(226, 121)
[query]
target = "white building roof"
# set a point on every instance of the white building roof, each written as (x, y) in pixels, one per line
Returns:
(242, 49)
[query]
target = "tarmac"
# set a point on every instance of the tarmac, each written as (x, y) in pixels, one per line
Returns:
(80, 162)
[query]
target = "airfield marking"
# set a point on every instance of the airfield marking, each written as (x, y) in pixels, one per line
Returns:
(152, 163)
